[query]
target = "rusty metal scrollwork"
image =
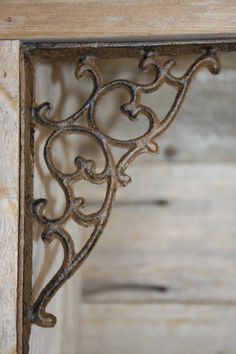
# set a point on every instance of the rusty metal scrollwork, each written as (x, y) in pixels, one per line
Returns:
(114, 173)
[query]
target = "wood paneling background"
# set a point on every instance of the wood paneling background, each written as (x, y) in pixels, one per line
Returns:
(163, 276)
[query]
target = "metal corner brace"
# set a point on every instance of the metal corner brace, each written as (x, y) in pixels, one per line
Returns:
(114, 173)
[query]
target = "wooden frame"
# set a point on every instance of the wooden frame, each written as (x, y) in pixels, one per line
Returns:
(102, 19)
(113, 19)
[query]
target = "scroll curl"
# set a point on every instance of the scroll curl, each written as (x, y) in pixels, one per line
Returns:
(114, 173)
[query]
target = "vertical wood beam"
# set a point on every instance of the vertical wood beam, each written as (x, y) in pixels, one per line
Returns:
(9, 193)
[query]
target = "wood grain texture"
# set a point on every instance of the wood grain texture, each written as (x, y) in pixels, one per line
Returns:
(164, 329)
(9, 181)
(171, 238)
(162, 277)
(110, 18)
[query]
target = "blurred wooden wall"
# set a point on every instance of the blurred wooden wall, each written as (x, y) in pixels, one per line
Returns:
(162, 279)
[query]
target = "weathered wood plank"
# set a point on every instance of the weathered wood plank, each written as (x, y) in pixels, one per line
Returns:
(9, 193)
(165, 329)
(109, 18)
(171, 237)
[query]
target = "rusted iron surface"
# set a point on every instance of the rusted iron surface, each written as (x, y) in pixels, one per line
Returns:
(24, 290)
(114, 173)
(114, 49)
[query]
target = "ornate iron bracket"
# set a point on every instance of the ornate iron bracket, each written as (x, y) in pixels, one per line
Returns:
(114, 173)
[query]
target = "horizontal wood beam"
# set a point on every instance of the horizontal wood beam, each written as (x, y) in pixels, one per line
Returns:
(109, 19)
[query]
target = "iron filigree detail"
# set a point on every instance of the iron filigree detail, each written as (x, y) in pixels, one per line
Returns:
(114, 173)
